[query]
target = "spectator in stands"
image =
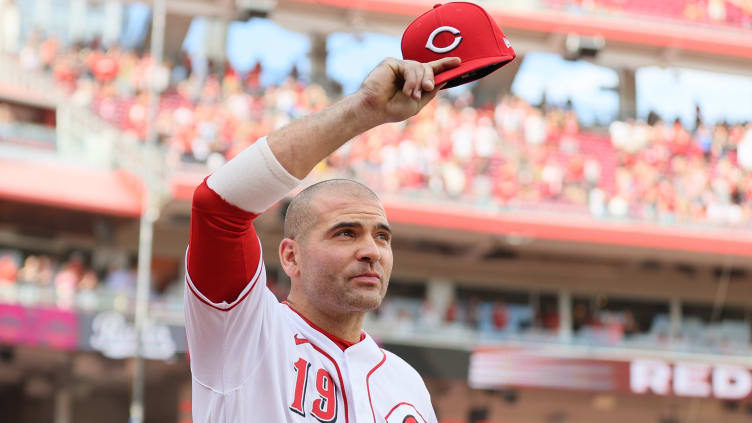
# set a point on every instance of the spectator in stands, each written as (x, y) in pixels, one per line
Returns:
(67, 280)
(550, 318)
(744, 153)
(451, 315)
(473, 312)
(8, 269)
(46, 273)
(89, 281)
(499, 315)
(511, 156)
(429, 315)
(29, 273)
(630, 324)
(121, 277)
(580, 316)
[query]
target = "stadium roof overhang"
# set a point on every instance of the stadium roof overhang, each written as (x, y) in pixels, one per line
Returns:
(114, 193)
(27, 95)
(629, 43)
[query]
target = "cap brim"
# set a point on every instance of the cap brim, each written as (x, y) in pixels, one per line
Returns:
(471, 70)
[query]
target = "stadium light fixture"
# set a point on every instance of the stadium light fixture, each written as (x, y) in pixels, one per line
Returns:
(577, 47)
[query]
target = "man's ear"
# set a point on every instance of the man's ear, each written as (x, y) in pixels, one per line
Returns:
(288, 257)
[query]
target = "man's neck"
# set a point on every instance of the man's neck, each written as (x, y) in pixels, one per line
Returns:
(347, 326)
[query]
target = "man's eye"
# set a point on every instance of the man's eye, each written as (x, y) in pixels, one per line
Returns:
(385, 236)
(346, 233)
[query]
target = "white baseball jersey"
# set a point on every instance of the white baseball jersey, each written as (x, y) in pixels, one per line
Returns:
(254, 359)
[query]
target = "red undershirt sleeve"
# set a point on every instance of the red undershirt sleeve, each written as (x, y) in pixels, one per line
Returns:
(224, 250)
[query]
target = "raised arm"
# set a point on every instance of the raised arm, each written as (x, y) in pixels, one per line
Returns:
(224, 253)
(394, 91)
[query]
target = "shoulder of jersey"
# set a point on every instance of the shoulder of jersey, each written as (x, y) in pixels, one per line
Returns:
(399, 362)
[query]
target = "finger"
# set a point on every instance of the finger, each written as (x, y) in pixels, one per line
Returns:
(395, 66)
(420, 72)
(408, 73)
(428, 83)
(412, 82)
(444, 64)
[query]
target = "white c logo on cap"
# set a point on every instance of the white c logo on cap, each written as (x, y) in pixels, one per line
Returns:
(450, 47)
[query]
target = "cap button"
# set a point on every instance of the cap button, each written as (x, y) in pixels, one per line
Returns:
(436, 5)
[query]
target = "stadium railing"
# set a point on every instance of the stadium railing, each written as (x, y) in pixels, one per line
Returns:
(402, 320)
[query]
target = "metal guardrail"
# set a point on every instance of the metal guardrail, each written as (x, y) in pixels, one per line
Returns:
(40, 134)
(163, 309)
(30, 84)
(84, 138)
(458, 336)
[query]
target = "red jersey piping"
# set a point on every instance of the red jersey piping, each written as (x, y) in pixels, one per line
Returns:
(403, 403)
(368, 386)
(236, 302)
(341, 343)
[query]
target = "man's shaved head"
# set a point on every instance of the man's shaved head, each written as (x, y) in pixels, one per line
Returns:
(301, 215)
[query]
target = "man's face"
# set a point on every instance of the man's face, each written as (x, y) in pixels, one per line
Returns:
(346, 256)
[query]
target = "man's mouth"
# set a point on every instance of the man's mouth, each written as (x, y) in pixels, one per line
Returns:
(369, 278)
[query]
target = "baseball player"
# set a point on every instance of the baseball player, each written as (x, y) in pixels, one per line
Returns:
(254, 359)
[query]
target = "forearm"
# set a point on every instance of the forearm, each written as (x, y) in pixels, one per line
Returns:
(303, 143)
(265, 172)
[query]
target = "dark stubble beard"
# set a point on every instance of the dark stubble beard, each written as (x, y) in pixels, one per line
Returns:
(362, 302)
(341, 295)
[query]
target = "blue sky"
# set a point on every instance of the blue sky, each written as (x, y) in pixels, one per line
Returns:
(671, 92)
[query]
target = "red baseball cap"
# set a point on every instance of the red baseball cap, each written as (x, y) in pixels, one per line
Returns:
(458, 29)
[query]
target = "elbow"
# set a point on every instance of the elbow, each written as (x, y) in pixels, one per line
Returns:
(211, 205)
(203, 196)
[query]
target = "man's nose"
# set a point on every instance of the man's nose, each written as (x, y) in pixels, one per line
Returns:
(368, 250)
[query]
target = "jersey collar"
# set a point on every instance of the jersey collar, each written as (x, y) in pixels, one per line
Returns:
(339, 342)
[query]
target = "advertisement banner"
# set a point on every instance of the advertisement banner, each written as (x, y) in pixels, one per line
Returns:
(109, 332)
(114, 335)
(40, 327)
(503, 367)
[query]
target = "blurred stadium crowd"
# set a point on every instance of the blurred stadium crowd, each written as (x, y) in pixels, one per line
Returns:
(510, 155)
(71, 281)
(734, 13)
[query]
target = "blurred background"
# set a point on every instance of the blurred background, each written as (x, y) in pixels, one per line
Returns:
(573, 233)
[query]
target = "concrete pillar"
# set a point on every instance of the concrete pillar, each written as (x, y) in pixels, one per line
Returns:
(43, 15)
(184, 403)
(675, 316)
(489, 89)
(440, 292)
(627, 94)
(113, 23)
(10, 27)
(318, 56)
(77, 21)
(215, 44)
(565, 316)
(63, 405)
(177, 25)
